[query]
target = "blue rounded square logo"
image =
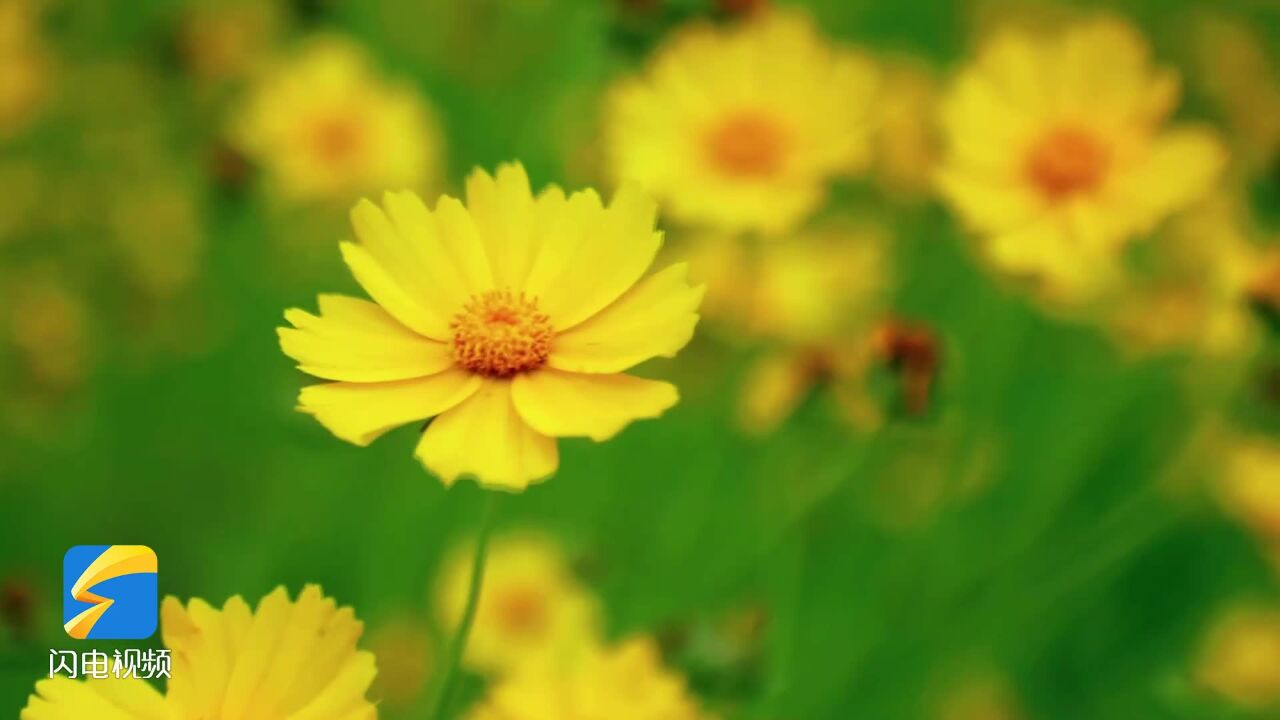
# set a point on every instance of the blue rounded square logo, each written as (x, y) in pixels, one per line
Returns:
(110, 592)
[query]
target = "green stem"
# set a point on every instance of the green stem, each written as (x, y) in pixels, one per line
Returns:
(458, 646)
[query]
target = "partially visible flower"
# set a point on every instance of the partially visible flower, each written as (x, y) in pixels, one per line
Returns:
(324, 126)
(627, 682)
(1240, 659)
(1232, 65)
(532, 610)
(812, 302)
(48, 324)
(288, 658)
(222, 41)
(1057, 155)
(742, 127)
(1194, 286)
(981, 697)
(403, 648)
(24, 83)
(907, 141)
(1250, 487)
(510, 320)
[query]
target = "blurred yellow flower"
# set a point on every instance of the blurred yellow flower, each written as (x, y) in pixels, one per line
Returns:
(1240, 659)
(907, 142)
(24, 83)
(1250, 487)
(532, 611)
(293, 659)
(740, 128)
(813, 302)
(981, 697)
(1194, 286)
(624, 683)
(512, 319)
(1056, 154)
(403, 648)
(324, 126)
(1234, 67)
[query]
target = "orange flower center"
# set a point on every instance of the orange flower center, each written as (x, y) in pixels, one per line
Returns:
(747, 145)
(500, 334)
(521, 611)
(1066, 162)
(336, 139)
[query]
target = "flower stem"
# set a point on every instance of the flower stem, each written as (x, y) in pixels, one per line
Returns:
(458, 645)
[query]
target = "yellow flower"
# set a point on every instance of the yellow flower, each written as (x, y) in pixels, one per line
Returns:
(813, 301)
(404, 651)
(624, 683)
(906, 139)
(323, 126)
(741, 128)
(1240, 659)
(22, 55)
(511, 319)
(531, 612)
(295, 659)
(1250, 487)
(1056, 153)
(1194, 287)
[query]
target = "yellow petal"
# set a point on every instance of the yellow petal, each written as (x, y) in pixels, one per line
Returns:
(453, 269)
(502, 208)
(773, 389)
(989, 206)
(485, 437)
(400, 303)
(564, 404)
(360, 412)
(359, 342)
(1181, 168)
(598, 256)
(111, 699)
(653, 319)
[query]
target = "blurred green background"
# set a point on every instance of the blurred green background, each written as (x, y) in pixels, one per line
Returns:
(1041, 523)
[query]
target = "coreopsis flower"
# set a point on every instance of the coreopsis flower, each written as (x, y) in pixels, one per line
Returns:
(24, 85)
(742, 127)
(1193, 289)
(324, 126)
(286, 659)
(906, 137)
(627, 682)
(404, 651)
(812, 303)
(986, 696)
(532, 611)
(1058, 156)
(510, 320)
(1240, 659)
(1232, 64)
(1250, 487)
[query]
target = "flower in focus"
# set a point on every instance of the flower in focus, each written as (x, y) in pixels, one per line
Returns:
(510, 319)
(323, 126)
(532, 610)
(627, 682)
(741, 128)
(1057, 156)
(24, 83)
(293, 659)
(1240, 659)
(812, 302)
